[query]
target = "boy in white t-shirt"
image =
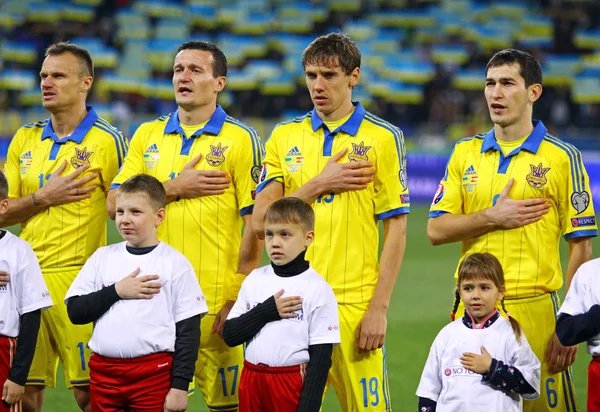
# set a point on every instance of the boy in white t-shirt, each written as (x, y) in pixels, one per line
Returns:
(579, 321)
(145, 301)
(287, 314)
(23, 295)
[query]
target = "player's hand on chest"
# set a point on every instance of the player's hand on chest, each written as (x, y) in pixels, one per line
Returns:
(38, 165)
(346, 164)
(484, 180)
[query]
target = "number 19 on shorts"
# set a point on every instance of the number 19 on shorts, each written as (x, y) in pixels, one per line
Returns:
(370, 391)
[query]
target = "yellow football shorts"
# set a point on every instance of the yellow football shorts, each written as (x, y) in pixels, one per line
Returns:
(360, 380)
(218, 368)
(537, 317)
(58, 338)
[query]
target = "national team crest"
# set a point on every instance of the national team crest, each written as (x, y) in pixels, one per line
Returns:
(359, 152)
(537, 178)
(216, 157)
(81, 158)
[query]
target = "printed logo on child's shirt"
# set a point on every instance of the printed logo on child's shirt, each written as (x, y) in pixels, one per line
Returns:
(458, 371)
(3, 289)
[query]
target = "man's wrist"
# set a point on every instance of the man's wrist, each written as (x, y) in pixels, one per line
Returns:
(379, 304)
(39, 199)
(489, 217)
(317, 185)
(171, 189)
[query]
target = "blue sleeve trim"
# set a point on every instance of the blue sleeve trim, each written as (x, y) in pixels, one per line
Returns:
(436, 213)
(264, 184)
(393, 212)
(581, 233)
(246, 210)
(114, 186)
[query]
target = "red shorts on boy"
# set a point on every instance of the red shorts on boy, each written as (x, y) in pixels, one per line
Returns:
(593, 403)
(8, 349)
(271, 389)
(135, 384)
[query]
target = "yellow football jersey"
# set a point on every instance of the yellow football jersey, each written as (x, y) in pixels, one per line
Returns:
(346, 246)
(207, 230)
(66, 235)
(543, 167)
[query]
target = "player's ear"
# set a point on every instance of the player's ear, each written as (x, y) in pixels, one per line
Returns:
(3, 206)
(534, 92)
(310, 235)
(220, 83)
(87, 84)
(354, 76)
(160, 216)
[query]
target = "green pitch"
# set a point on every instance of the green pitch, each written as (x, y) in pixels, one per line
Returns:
(419, 309)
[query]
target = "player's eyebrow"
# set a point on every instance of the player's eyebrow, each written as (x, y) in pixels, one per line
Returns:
(500, 80)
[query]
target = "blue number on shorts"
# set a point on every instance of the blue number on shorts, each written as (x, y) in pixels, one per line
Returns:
(233, 368)
(326, 198)
(551, 395)
(82, 353)
(41, 177)
(373, 390)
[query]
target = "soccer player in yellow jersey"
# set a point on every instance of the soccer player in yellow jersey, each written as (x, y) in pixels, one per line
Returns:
(512, 192)
(351, 166)
(209, 164)
(62, 217)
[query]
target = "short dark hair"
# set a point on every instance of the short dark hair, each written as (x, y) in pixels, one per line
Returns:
(529, 67)
(3, 186)
(85, 60)
(291, 210)
(219, 65)
(148, 185)
(332, 50)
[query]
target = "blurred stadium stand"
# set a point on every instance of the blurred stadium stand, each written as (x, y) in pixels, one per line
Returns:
(423, 60)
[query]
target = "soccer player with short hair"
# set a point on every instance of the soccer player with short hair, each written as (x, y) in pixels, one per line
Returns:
(512, 192)
(22, 298)
(62, 217)
(351, 167)
(209, 164)
(144, 299)
(287, 315)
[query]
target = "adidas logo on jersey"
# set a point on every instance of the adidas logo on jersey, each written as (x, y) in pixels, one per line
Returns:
(152, 149)
(294, 152)
(25, 162)
(469, 180)
(151, 156)
(470, 171)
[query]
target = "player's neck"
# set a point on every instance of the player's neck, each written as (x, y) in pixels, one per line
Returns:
(339, 113)
(514, 131)
(197, 115)
(64, 122)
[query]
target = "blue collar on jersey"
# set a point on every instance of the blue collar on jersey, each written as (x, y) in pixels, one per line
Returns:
(531, 144)
(469, 321)
(214, 125)
(77, 136)
(351, 126)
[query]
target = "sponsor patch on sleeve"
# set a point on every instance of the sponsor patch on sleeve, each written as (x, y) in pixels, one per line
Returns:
(439, 194)
(583, 221)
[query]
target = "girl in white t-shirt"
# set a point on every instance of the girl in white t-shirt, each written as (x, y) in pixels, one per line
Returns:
(287, 314)
(481, 362)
